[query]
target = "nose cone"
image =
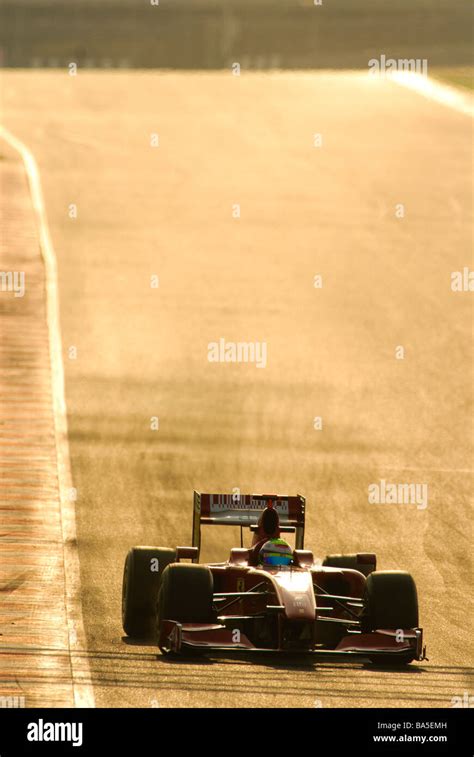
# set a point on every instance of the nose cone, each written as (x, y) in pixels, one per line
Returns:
(296, 594)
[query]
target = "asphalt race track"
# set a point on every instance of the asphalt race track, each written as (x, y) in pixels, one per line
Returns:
(134, 352)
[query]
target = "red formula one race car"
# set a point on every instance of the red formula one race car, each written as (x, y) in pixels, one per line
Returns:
(269, 597)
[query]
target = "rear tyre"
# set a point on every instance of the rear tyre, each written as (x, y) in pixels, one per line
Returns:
(141, 580)
(185, 595)
(390, 602)
(351, 562)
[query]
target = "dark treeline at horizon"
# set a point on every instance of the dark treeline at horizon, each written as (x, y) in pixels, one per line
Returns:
(211, 34)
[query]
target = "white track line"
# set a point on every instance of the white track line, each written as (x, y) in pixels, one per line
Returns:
(82, 686)
(435, 90)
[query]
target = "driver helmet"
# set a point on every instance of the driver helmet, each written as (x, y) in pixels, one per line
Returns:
(276, 552)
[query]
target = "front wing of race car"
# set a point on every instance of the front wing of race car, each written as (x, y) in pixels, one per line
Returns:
(402, 645)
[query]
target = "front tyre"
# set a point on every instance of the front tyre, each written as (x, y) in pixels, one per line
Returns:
(141, 580)
(390, 603)
(185, 596)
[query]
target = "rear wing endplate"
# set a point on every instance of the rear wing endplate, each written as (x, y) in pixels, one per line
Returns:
(245, 510)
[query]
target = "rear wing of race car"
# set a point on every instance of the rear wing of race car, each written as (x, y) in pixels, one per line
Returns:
(245, 509)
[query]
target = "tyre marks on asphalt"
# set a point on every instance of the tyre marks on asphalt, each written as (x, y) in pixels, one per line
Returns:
(231, 681)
